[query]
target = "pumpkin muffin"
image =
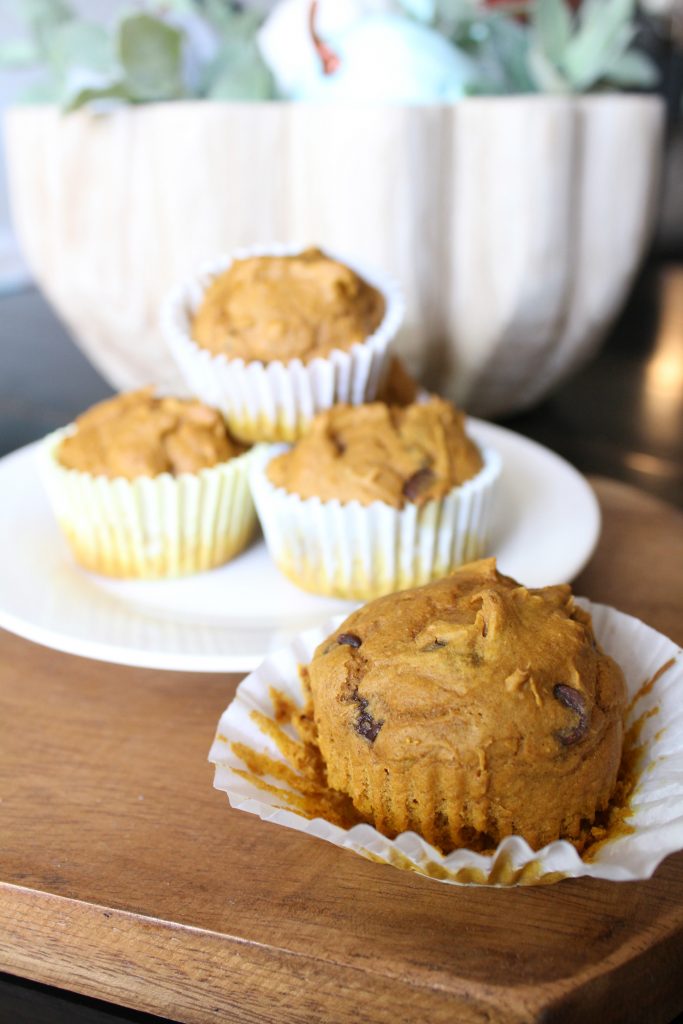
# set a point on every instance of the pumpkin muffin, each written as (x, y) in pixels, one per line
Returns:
(299, 306)
(272, 335)
(376, 498)
(138, 434)
(471, 709)
(378, 452)
(148, 487)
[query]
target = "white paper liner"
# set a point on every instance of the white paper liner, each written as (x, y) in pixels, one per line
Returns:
(276, 401)
(359, 551)
(656, 804)
(151, 527)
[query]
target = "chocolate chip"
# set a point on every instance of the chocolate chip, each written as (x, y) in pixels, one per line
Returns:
(417, 483)
(433, 646)
(366, 725)
(575, 701)
(339, 445)
(349, 639)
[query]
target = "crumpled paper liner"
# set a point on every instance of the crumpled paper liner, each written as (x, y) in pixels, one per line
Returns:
(359, 551)
(151, 527)
(654, 822)
(276, 401)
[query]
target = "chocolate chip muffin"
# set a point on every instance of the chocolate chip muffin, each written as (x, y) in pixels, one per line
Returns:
(146, 487)
(377, 452)
(376, 498)
(471, 709)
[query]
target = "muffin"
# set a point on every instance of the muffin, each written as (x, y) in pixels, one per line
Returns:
(471, 709)
(272, 335)
(299, 306)
(375, 498)
(149, 487)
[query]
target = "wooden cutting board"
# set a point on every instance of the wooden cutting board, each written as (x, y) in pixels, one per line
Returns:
(124, 875)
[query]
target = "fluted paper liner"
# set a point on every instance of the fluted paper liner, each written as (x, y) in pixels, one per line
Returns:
(151, 527)
(359, 551)
(655, 810)
(276, 401)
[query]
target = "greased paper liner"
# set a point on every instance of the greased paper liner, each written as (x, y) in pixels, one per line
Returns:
(657, 802)
(276, 401)
(151, 527)
(361, 551)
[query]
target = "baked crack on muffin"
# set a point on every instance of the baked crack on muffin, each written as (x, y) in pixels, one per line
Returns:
(471, 709)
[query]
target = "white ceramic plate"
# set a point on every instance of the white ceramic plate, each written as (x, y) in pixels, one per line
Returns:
(545, 529)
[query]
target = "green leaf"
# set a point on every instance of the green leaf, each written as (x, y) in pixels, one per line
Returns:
(545, 75)
(150, 53)
(43, 17)
(552, 26)
(18, 53)
(179, 6)
(80, 44)
(239, 73)
(230, 21)
(605, 32)
(506, 48)
(80, 95)
(633, 70)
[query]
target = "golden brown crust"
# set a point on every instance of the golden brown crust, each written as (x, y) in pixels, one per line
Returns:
(470, 709)
(286, 307)
(136, 434)
(378, 452)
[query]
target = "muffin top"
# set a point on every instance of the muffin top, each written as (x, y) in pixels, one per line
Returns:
(502, 687)
(380, 452)
(286, 307)
(137, 434)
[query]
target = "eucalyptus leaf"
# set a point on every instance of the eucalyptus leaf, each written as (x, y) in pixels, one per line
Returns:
(605, 31)
(80, 44)
(547, 77)
(151, 55)
(506, 48)
(43, 17)
(456, 19)
(552, 26)
(633, 70)
(179, 6)
(231, 21)
(239, 73)
(99, 92)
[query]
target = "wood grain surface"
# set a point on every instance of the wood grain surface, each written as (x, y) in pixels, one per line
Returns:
(124, 875)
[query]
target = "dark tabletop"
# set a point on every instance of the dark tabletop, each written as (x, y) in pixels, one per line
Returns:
(621, 416)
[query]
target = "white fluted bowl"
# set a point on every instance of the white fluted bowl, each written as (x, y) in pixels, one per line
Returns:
(514, 225)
